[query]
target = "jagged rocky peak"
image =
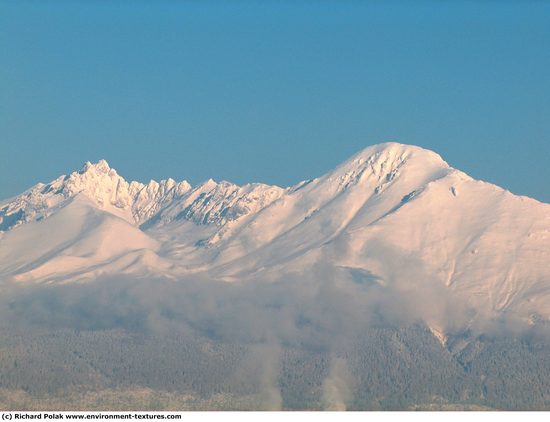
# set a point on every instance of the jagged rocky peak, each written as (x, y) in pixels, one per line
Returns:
(102, 166)
(218, 203)
(100, 182)
(210, 202)
(133, 201)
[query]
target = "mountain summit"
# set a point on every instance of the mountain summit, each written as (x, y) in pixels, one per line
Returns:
(393, 214)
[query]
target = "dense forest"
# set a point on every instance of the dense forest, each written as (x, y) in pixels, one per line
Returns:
(386, 368)
(292, 344)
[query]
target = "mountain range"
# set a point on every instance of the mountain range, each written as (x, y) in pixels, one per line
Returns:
(395, 216)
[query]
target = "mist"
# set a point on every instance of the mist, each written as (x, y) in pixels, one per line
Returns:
(323, 309)
(317, 341)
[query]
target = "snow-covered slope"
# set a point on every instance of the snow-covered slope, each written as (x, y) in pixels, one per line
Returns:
(396, 214)
(77, 240)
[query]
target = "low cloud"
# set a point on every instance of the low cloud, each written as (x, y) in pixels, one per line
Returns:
(324, 312)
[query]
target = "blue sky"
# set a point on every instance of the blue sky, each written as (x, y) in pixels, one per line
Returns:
(272, 91)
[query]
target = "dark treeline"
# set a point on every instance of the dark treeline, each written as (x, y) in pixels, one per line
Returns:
(294, 344)
(387, 368)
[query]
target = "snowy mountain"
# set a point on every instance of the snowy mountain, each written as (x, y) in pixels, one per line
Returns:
(394, 215)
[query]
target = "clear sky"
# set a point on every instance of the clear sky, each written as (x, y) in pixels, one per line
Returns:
(272, 91)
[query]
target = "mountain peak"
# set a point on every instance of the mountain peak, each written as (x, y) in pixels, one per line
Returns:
(395, 151)
(382, 164)
(101, 167)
